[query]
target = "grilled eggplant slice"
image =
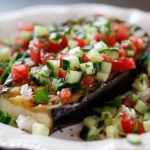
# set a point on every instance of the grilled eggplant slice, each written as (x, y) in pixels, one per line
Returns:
(61, 116)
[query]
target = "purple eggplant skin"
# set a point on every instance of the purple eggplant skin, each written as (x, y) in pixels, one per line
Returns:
(69, 114)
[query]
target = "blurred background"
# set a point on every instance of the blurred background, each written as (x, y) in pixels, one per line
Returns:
(8, 5)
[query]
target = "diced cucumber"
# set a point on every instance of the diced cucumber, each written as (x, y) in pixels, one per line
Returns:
(54, 66)
(87, 68)
(130, 53)
(5, 53)
(70, 62)
(102, 77)
(146, 125)
(133, 97)
(76, 52)
(107, 117)
(89, 133)
(73, 76)
(111, 109)
(113, 52)
(134, 139)
(40, 129)
(87, 48)
(147, 115)
(26, 35)
(94, 56)
(90, 121)
(72, 43)
(141, 107)
(104, 67)
(57, 84)
(40, 31)
(141, 83)
(65, 50)
(112, 132)
(100, 46)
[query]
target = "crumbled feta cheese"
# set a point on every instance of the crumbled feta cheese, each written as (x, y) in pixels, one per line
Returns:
(29, 62)
(26, 90)
(130, 111)
(25, 122)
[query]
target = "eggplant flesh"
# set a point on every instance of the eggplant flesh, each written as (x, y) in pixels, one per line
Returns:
(68, 114)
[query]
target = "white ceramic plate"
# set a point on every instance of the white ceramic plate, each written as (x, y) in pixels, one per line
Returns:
(68, 139)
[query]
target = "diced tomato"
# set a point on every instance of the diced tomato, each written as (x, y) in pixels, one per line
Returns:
(27, 27)
(140, 128)
(63, 43)
(19, 72)
(65, 94)
(111, 40)
(122, 33)
(85, 58)
(35, 55)
(1, 71)
(123, 64)
(106, 58)
(138, 42)
(87, 81)
(122, 53)
(55, 47)
(128, 102)
(100, 36)
(114, 26)
(62, 73)
(81, 42)
(127, 124)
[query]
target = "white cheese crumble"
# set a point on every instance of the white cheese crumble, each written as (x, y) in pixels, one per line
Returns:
(29, 62)
(25, 122)
(26, 90)
(130, 111)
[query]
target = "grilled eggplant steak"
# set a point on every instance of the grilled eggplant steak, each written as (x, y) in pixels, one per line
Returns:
(69, 69)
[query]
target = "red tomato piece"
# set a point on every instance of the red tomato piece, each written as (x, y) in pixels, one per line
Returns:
(1, 71)
(27, 27)
(87, 81)
(85, 58)
(106, 58)
(111, 40)
(140, 128)
(123, 64)
(65, 94)
(35, 56)
(55, 47)
(127, 124)
(122, 33)
(100, 36)
(81, 42)
(45, 58)
(39, 44)
(19, 72)
(62, 73)
(138, 42)
(122, 53)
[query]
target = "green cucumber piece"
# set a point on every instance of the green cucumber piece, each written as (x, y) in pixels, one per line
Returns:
(40, 31)
(100, 46)
(76, 52)
(73, 76)
(54, 66)
(94, 56)
(134, 139)
(104, 67)
(112, 132)
(90, 121)
(5, 54)
(87, 68)
(141, 107)
(102, 77)
(70, 63)
(133, 97)
(146, 125)
(147, 115)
